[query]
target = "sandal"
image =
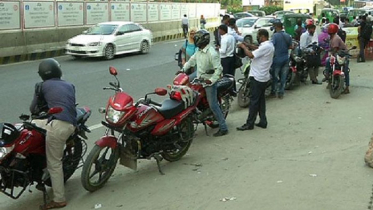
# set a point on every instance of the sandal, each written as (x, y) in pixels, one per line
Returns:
(53, 205)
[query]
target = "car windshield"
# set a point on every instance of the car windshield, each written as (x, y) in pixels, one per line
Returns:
(103, 29)
(246, 22)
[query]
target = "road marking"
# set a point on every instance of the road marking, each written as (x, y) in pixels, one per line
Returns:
(94, 127)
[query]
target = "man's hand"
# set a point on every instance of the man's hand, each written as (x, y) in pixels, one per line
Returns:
(241, 45)
(208, 82)
(180, 71)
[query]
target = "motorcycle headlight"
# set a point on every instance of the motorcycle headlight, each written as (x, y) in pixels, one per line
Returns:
(340, 60)
(113, 115)
(94, 44)
(4, 151)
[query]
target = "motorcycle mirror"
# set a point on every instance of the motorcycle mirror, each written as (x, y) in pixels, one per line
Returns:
(160, 91)
(211, 71)
(55, 110)
(102, 110)
(113, 71)
(354, 47)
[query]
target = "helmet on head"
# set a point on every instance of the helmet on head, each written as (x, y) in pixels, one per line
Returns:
(49, 68)
(202, 38)
(8, 133)
(333, 28)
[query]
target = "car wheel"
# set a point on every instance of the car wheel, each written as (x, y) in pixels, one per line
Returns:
(109, 52)
(144, 47)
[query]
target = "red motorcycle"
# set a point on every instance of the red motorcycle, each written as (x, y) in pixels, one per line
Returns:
(143, 130)
(205, 115)
(23, 158)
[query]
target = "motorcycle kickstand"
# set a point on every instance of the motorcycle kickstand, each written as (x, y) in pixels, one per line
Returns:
(158, 158)
(204, 124)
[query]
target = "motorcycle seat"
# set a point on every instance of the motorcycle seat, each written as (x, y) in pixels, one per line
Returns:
(171, 108)
(82, 114)
(226, 83)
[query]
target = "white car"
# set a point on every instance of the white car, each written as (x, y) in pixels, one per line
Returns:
(109, 39)
(249, 27)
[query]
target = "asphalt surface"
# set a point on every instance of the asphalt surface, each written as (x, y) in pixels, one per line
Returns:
(310, 156)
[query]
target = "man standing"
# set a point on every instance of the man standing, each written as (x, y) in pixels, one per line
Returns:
(364, 37)
(226, 50)
(313, 58)
(259, 76)
(185, 25)
(206, 58)
(54, 92)
(280, 67)
(233, 30)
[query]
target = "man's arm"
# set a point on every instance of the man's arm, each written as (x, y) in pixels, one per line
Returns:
(235, 35)
(302, 42)
(191, 62)
(246, 50)
(223, 46)
(216, 63)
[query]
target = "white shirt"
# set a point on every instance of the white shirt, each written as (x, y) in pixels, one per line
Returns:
(306, 39)
(227, 46)
(206, 59)
(233, 32)
(185, 21)
(262, 62)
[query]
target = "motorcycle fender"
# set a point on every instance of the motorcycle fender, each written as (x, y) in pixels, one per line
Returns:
(338, 72)
(105, 141)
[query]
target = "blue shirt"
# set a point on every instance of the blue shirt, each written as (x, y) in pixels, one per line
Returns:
(59, 93)
(282, 41)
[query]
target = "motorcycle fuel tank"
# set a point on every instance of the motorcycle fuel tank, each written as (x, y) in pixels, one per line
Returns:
(144, 117)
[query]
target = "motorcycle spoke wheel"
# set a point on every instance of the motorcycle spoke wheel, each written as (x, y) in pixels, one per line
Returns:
(187, 133)
(98, 167)
(243, 94)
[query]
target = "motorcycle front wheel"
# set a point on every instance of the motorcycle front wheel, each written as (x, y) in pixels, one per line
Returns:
(336, 87)
(186, 132)
(243, 94)
(98, 167)
(290, 81)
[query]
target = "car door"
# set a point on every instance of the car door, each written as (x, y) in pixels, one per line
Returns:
(267, 25)
(258, 25)
(123, 38)
(137, 36)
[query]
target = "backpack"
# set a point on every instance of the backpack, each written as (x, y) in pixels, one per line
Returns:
(341, 33)
(367, 31)
(178, 55)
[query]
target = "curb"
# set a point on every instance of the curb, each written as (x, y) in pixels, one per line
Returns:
(60, 52)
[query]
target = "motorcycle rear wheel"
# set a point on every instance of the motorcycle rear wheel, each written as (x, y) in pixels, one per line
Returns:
(187, 134)
(102, 166)
(243, 94)
(70, 160)
(337, 87)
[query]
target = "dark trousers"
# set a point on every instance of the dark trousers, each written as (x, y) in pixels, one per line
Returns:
(362, 44)
(257, 102)
(228, 67)
(185, 30)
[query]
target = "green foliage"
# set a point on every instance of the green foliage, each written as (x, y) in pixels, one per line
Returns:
(234, 9)
(271, 9)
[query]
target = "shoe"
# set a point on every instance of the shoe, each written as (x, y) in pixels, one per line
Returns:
(316, 82)
(261, 125)
(245, 127)
(346, 91)
(220, 133)
(280, 96)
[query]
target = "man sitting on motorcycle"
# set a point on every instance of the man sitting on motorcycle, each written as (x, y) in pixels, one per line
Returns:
(207, 58)
(54, 92)
(336, 44)
(313, 57)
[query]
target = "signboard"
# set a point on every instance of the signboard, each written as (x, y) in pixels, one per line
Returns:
(175, 11)
(70, 14)
(39, 14)
(184, 10)
(153, 14)
(166, 11)
(9, 15)
(120, 12)
(138, 12)
(97, 13)
(192, 10)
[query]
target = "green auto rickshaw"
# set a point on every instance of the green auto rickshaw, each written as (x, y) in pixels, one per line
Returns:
(355, 13)
(329, 13)
(290, 21)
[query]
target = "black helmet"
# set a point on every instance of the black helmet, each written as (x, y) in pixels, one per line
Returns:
(49, 68)
(240, 52)
(8, 133)
(202, 38)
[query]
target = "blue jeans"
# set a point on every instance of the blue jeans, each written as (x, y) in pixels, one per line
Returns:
(279, 70)
(328, 70)
(193, 75)
(212, 98)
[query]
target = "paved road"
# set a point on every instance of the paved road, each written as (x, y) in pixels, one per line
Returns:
(310, 157)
